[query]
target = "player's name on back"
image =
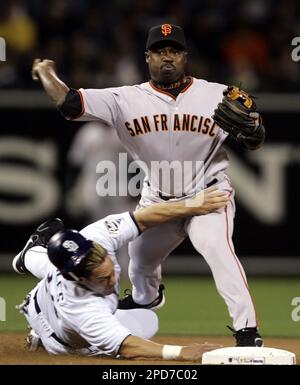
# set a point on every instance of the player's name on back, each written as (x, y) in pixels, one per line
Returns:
(161, 122)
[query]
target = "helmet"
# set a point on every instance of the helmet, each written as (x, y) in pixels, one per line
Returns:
(66, 249)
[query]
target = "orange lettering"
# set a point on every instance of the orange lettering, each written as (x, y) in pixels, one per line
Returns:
(211, 131)
(206, 125)
(200, 124)
(137, 127)
(166, 29)
(185, 122)
(194, 117)
(129, 129)
(164, 118)
(176, 123)
(156, 121)
(146, 124)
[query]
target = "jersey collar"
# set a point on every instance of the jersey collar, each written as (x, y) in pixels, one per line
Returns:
(169, 93)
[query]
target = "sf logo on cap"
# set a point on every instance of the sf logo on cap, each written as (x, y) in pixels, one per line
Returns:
(166, 29)
(71, 246)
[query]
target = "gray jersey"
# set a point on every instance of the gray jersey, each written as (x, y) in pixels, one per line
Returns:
(154, 126)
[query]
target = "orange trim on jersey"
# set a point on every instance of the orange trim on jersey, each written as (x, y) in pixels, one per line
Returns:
(168, 93)
(161, 91)
(82, 105)
(237, 262)
(188, 86)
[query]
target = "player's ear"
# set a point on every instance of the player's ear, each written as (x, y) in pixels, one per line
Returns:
(185, 57)
(147, 56)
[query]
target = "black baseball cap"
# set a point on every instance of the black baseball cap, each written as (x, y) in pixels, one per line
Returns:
(166, 33)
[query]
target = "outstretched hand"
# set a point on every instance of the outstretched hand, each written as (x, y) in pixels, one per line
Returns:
(44, 71)
(42, 66)
(194, 352)
(207, 201)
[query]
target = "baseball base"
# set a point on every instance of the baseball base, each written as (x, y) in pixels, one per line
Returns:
(248, 356)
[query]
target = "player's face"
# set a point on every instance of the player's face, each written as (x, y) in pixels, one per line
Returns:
(166, 64)
(102, 279)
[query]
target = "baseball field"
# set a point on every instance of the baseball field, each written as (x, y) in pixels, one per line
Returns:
(193, 312)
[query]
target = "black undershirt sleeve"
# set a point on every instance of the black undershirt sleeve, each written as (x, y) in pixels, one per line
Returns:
(72, 107)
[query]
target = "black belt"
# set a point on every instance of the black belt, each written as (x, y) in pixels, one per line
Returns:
(53, 335)
(167, 197)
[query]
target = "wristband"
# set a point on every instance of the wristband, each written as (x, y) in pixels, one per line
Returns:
(170, 352)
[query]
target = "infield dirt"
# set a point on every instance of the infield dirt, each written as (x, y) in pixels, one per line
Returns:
(13, 351)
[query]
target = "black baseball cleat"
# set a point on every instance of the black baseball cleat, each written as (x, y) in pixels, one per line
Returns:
(247, 337)
(39, 237)
(128, 303)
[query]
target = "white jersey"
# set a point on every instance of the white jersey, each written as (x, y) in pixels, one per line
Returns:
(155, 126)
(77, 316)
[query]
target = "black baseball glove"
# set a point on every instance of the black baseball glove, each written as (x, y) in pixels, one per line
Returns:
(237, 115)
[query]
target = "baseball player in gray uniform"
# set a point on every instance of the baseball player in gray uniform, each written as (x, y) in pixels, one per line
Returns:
(174, 117)
(74, 307)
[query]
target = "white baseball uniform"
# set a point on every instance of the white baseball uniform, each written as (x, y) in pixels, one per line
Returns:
(72, 319)
(153, 125)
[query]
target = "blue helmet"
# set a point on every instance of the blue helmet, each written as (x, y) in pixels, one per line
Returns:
(66, 249)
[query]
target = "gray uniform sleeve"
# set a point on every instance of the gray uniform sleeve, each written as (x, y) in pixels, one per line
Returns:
(99, 104)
